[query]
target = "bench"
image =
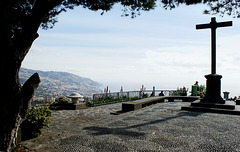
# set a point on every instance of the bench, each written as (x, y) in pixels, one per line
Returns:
(138, 104)
(141, 103)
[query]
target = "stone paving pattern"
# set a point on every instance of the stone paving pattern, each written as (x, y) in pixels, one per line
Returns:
(160, 127)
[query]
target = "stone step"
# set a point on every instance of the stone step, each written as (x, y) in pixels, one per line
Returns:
(213, 105)
(212, 110)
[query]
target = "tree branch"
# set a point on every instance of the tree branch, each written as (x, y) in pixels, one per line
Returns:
(31, 25)
(54, 3)
(27, 92)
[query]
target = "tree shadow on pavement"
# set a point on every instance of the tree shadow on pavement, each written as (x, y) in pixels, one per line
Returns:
(98, 131)
(180, 114)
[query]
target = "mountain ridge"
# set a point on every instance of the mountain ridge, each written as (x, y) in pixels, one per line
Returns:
(57, 83)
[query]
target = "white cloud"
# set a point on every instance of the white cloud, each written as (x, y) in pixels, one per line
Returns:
(188, 58)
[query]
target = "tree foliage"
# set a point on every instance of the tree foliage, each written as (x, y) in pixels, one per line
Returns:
(220, 7)
(224, 7)
(20, 10)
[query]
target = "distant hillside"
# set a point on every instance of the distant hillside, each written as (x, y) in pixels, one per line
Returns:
(61, 83)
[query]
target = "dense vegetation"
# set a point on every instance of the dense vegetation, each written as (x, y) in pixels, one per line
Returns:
(35, 120)
(59, 101)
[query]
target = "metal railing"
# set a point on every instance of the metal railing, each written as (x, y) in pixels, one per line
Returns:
(108, 98)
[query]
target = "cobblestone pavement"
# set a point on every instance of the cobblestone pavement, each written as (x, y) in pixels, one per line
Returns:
(159, 127)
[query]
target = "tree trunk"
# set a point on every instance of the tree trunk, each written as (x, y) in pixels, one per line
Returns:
(15, 100)
(15, 43)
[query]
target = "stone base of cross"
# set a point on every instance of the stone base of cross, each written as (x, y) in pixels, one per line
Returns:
(213, 93)
(213, 85)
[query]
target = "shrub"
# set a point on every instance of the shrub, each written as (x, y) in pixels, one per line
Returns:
(123, 98)
(202, 91)
(177, 92)
(134, 98)
(201, 94)
(202, 88)
(144, 95)
(59, 101)
(180, 92)
(89, 103)
(34, 121)
(98, 102)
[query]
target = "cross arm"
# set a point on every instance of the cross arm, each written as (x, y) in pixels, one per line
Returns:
(203, 26)
(223, 24)
(212, 25)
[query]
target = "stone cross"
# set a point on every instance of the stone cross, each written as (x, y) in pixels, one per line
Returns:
(213, 25)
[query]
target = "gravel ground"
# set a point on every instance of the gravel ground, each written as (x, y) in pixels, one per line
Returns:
(160, 127)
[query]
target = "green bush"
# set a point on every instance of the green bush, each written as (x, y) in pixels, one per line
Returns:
(134, 98)
(201, 94)
(98, 102)
(202, 91)
(202, 88)
(144, 95)
(123, 98)
(34, 121)
(177, 92)
(89, 103)
(59, 101)
(180, 92)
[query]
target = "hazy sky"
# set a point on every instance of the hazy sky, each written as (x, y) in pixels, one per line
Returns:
(160, 48)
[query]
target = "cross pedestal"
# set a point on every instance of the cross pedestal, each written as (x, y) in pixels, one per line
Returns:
(213, 93)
